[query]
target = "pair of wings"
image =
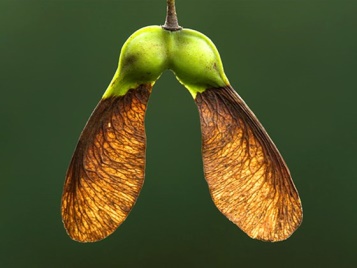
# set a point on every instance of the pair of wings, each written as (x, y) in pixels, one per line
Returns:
(248, 180)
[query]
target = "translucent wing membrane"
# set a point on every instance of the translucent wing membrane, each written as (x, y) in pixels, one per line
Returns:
(106, 173)
(248, 179)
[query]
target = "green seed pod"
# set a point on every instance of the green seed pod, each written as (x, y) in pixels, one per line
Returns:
(142, 59)
(191, 55)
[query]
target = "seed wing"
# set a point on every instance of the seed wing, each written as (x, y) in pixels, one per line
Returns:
(248, 179)
(107, 170)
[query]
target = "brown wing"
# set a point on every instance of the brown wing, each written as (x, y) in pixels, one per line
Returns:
(248, 179)
(106, 173)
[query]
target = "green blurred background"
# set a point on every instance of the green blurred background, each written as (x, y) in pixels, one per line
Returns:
(294, 63)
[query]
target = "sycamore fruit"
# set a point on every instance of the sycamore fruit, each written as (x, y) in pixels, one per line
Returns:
(248, 179)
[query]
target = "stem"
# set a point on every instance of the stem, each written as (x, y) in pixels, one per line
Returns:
(171, 23)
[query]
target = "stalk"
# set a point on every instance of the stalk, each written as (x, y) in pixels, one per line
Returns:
(171, 22)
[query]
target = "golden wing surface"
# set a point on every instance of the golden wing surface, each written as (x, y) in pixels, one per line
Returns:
(107, 169)
(248, 179)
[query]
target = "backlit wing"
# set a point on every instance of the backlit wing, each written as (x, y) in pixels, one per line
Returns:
(248, 179)
(107, 170)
